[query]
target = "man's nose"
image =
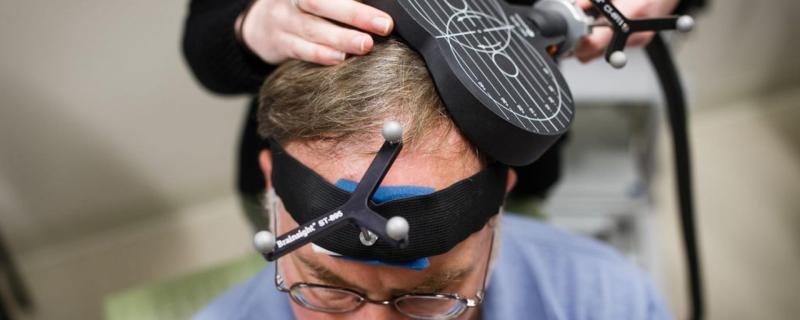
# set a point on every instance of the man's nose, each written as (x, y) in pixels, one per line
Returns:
(378, 312)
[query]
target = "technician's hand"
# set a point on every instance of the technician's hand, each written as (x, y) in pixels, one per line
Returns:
(594, 45)
(277, 30)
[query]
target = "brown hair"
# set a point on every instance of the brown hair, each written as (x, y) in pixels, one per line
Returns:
(306, 101)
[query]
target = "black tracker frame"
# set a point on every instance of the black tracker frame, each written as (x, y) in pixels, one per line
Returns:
(625, 27)
(355, 211)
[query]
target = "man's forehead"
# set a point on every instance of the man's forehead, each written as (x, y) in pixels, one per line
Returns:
(435, 165)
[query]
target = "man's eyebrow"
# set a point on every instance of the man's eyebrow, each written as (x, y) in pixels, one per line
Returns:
(326, 275)
(436, 282)
(440, 280)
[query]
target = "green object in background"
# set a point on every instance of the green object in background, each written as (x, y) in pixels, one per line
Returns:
(527, 206)
(182, 297)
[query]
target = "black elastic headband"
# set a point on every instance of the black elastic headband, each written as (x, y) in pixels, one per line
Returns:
(438, 221)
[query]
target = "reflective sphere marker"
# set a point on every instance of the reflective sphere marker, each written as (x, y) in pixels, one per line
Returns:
(392, 131)
(397, 228)
(685, 24)
(618, 59)
(264, 241)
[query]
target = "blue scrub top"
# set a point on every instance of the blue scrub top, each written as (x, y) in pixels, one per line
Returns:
(541, 273)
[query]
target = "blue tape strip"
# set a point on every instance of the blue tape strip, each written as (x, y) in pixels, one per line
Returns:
(387, 193)
(384, 194)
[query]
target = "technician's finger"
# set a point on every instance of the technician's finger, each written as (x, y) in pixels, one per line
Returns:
(594, 45)
(321, 31)
(350, 12)
(301, 49)
(635, 10)
(640, 39)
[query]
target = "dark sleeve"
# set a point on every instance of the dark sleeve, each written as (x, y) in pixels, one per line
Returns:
(217, 60)
(686, 6)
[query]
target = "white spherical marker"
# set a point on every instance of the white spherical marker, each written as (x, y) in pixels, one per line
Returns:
(685, 24)
(397, 228)
(618, 59)
(264, 241)
(392, 131)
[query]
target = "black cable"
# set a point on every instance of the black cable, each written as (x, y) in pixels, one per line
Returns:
(667, 74)
(9, 271)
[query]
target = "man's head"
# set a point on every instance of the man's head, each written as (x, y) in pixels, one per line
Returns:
(329, 118)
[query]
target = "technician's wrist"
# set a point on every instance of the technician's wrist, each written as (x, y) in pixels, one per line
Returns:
(239, 26)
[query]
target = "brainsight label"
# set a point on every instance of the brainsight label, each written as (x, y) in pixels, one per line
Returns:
(300, 234)
(309, 229)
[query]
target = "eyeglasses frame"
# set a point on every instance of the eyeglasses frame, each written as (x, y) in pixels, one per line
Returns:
(280, 285)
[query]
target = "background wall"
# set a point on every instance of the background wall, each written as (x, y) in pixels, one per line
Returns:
(101, 122)
(116, 168)
(112, 159)
(744, 72)
(742, 49)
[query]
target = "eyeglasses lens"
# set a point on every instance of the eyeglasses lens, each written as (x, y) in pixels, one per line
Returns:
(430, 307)
(326, 299)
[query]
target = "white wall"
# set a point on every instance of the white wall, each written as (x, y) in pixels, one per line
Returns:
(116, 168)
(743, 71)
(747, 182)
(742, 48)
(100, 121)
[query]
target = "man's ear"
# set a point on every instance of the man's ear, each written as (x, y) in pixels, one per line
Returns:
(511, 180)
(265, 160)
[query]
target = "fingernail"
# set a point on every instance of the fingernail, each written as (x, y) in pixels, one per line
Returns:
(382, 24)
(361, 43)
(336, 55)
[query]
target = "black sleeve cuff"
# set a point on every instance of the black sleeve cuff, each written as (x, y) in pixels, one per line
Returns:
(217, 59)
(687, 6)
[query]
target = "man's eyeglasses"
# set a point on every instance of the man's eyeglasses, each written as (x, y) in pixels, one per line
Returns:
(428, 306)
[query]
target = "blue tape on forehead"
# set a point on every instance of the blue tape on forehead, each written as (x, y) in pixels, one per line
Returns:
(419, 264)
(385, 194)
